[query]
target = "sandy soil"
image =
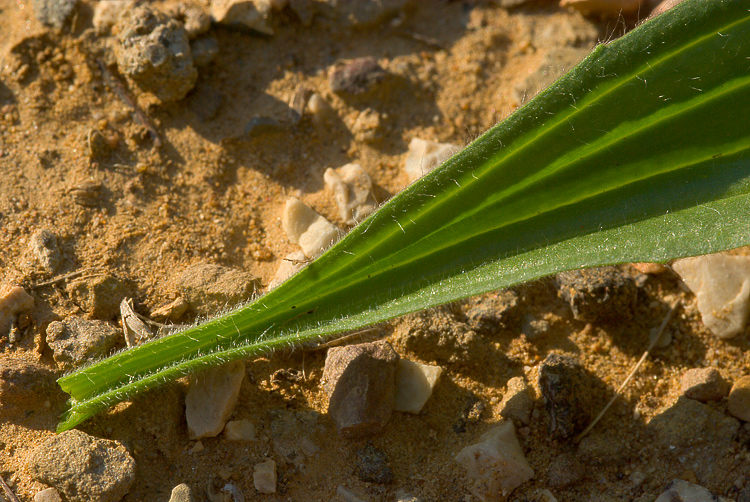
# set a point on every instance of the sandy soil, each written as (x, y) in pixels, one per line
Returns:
(211, 194)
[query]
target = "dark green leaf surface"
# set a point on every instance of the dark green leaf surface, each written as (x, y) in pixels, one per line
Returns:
(640, 153)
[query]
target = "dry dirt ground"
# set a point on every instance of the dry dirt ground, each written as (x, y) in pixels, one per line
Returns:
(74, 159)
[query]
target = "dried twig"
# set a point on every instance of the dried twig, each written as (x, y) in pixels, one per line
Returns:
(8, 492)
(60, 278)
(632, 373)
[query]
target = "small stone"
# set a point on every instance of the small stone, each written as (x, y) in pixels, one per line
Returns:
(205, 50)
(264, 476)
(182, 493)
(534, 329)
(650, 268)
(360, 381)
(517, 403)
(298, 103)
(14, 300)
(107, 13)
(75, 341)
(721, 284)
(233, 493)
(43, 245)
(682, 491)
(194, 18)
(211, 397)
(54, 13)
(261, 125)
(348, 495)
(307, 228)
(352, 191)
(601, 294)
(252, 14)
(567, 389)
(403, 496)
(689, 422)
(323, 115)
(23, 383)
(290, 265)
(356, 77)
(209, 288)
(153, 50)
(414, 385)
(87, 194)
(83, 468)
(704, 384)
(603, 7)
(47, 495)
(496, 464)
(368, 126)
(565, 470)
(739, 399)
(372, 466)
(171, 311)
(426, 155)
(490, 314)
(239, 430)
(99, 296)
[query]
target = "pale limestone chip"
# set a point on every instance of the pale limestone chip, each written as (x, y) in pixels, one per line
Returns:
(107, 12)
(239, 430)
(426, 155)
(14, 300)
(251, 14)
(307, 228)
(496, 464)
(721, 284)
(352, 191)
(210, 398)
(290, 265)
(264, 477)
(414, 384)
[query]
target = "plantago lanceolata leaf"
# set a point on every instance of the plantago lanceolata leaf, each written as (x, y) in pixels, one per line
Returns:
(640, 153)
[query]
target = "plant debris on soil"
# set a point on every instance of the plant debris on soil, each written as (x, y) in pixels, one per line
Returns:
(119, 182)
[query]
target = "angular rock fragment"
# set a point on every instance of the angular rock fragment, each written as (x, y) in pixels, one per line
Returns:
(153, 51)
(209, 288)
(14, 300)
(211, 397)
(688, 423)
(307, 228)
(43, 245)
(414, 385)
(360, 381)
(426, 155)
(352, 191)
(356, 77)
(83, 468)
(99, 296)
(496, 464)
(252, 14)
(739, 399)
(290, 265)
(680, 490)
(601, 294)
(239, 430)
(107, 13)
(264, 476)
(47, 495)
(75, 341)
(517, 403)
(182, 493)
(704, 384)
(721, 284)
(567, 389)
(372, 466)
(54, 13)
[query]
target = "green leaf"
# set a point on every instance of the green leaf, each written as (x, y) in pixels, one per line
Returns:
(640, 153)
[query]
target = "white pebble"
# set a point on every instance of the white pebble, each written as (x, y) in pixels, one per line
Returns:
(264, 477)
(686, 492)
(721, 284)
(307, 228)
(352, 191)
(251, 14)
(47, 495)
(210, 398)
(426, 155)
(496, 464)
(414, 384)
(239, 430)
